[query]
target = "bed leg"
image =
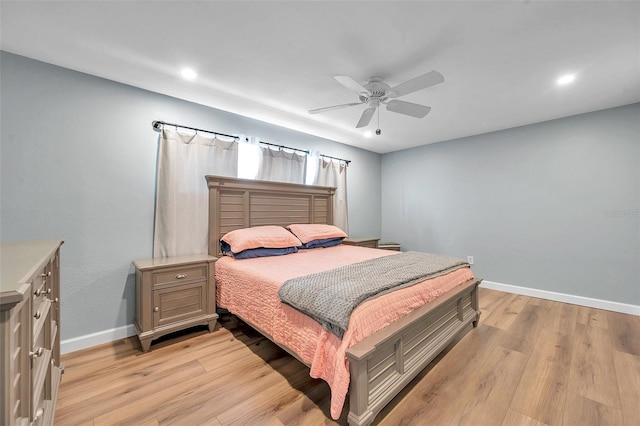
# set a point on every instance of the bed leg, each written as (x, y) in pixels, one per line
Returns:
(363, 420)
(475, 303)
(475, 321)
(360, 413)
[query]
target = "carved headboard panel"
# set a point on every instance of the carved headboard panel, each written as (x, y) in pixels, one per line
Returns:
(242, 203)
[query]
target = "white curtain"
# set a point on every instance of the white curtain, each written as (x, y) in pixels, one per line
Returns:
(182, 199)
(334, 173)
(281, 166)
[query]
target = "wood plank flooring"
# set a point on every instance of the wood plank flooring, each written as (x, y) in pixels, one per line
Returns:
(529, 362)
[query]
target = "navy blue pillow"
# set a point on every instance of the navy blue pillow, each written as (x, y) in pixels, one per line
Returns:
(323, 242)
(256, 252)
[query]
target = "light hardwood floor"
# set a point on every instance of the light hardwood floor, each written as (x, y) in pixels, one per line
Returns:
(529, 362)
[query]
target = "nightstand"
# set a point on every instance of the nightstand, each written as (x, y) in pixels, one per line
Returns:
(362, 242)
(389, 246)
(174, 293)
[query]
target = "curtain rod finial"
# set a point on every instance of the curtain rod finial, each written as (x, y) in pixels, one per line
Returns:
(157, 125)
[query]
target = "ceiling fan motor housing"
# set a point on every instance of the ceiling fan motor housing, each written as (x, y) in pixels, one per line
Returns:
(376, 87)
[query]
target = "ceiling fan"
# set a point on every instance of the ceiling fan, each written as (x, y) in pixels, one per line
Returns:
(375, 92)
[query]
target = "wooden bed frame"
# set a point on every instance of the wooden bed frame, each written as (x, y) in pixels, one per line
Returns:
(385, 362)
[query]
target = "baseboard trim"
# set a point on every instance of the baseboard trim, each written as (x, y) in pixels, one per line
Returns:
(94, 339)
(563, 297)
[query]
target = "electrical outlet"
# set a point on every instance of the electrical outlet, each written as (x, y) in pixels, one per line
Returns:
(470, 260)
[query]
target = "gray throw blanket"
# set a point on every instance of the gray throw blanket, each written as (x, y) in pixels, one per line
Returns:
(329, 297)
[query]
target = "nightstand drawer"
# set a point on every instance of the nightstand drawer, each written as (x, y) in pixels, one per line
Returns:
(362, 242)
(178, 303)
(175, 275)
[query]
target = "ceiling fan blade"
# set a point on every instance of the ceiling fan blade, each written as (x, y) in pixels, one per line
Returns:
(365, 118)
(422, 82)
(351, 84)
(331, 108)
(408, 108)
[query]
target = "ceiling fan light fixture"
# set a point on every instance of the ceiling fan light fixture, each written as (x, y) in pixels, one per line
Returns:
(188, 74)
(566, 79)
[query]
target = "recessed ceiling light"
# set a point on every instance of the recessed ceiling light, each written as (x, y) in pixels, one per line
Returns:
(566, 79)
(368, 134)
(188, 74)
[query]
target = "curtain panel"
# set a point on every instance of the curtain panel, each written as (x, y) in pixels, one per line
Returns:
(334, 173)
(281, 166)
(182, 199)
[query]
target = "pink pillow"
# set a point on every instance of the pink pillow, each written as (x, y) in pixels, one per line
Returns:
(310, 232)
(270, 236)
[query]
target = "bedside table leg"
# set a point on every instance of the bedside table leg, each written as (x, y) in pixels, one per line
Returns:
(146, 344)
(212, 325)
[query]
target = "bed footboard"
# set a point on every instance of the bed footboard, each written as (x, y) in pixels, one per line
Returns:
(387, 361)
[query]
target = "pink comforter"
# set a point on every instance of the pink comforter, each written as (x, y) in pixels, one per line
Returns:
(249, 289)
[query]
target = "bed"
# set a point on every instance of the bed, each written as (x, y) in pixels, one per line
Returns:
(378, 363)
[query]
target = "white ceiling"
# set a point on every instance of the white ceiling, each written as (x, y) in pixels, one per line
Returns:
(274, 61)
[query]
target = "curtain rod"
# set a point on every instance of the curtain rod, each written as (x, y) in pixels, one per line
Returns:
(157, 126)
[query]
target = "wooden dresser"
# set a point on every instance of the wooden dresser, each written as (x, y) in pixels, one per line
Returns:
(173, 293)
(30, 332)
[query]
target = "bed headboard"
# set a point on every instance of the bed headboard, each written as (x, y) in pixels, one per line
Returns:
(241, 203)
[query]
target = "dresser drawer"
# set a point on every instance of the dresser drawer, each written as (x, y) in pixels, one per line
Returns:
(178, 303)
(38, 291)
(39, 296)
(41, 385)
(181, 274)
(41, 319)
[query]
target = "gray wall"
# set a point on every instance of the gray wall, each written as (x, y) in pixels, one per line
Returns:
(78, 162)
(552, 206)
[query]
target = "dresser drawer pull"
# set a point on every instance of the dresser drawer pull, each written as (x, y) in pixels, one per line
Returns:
(56, 300)
(38, 292)
(48, 291)
(37, 315)
(35, 354)
(48, 274)
(180, 276)
(156, 309)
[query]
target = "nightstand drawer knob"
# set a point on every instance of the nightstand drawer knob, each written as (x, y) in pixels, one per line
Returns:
(180, 276)
(156, 309)
(37, 315)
